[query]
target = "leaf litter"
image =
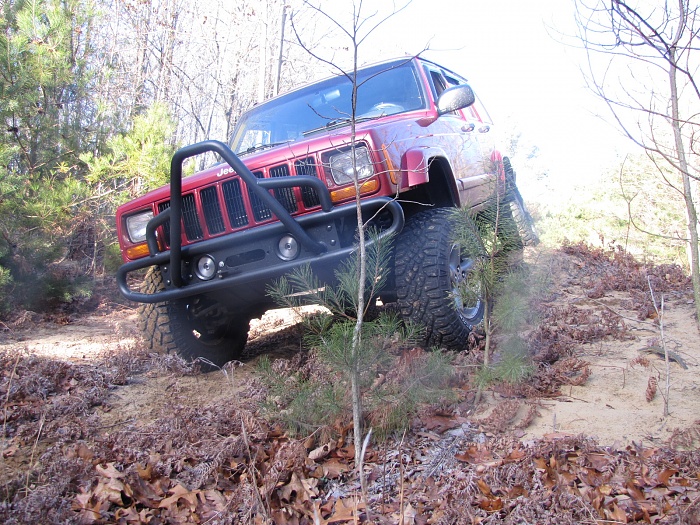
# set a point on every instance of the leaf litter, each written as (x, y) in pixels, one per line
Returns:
(199, 450)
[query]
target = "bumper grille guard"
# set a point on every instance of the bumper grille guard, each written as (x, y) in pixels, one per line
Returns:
(260, 188)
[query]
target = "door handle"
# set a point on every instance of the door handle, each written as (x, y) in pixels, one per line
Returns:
(468, 128)
(485, 128)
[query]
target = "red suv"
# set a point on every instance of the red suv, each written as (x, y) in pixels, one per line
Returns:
(284, 197)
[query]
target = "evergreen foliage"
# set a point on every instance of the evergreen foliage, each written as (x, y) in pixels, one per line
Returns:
(393, 378)
(493, 239)
(46, 115)
(135, 162)
(61, 176)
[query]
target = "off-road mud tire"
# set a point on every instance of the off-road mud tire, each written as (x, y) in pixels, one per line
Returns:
(511, 238)
(523, 221)
(167, 327)
(517, 210)
(425, 273)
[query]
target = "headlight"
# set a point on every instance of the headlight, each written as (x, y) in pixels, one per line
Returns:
(136, 226)
(341, 166)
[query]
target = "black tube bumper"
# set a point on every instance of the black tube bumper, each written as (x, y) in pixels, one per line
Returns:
(310, 230)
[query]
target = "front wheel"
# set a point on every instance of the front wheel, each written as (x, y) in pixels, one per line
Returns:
(436, 287)
(193, 327)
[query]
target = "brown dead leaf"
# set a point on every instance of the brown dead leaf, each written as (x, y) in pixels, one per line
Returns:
(652, 385)
(145, 493)
(109, 471)
(346, 510)
(408, 516)
(517, 491)
(88, 509)
(304, 489)
(515, 455)
(10, 451)
(146, 472)
(491, 504)
(634, 492)
(110, 491)
(598, 460)
(180, 492)
(483, 487)
(617, 514)
(347, 452)
(665, 475)
(217, 498)
(439, 423)
(334, 468)
(322, 452)
(540, 463)
(476, 455)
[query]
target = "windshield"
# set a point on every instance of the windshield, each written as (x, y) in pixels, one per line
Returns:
(385, 89)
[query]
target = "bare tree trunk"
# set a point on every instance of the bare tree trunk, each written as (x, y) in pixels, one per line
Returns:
(357, 332)
(687, 187)
(661, 40)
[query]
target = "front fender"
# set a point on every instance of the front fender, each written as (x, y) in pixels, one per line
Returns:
(415, 165)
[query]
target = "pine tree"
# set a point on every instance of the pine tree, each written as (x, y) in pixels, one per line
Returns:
(47, 116)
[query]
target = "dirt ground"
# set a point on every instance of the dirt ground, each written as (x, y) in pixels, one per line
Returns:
(98, 431)
(610, 406)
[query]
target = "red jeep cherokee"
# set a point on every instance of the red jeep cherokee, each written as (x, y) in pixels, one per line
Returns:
(284, 197)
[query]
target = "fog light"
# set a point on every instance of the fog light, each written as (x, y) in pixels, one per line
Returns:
(288, 248)
(206, 267)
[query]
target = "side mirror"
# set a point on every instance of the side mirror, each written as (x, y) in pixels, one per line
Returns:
(454, 98)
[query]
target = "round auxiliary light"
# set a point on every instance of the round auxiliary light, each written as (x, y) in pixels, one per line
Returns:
(288, 248)
(206, 267)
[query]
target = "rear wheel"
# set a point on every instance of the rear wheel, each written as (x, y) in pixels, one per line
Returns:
(435, 285)
(517, 211)
(193, 327)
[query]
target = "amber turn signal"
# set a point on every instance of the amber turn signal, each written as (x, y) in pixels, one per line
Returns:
(138, 251)
(365, 187)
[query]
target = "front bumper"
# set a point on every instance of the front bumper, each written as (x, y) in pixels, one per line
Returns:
(317, 233)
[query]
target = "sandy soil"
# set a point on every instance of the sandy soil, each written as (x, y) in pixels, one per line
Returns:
(610, 406)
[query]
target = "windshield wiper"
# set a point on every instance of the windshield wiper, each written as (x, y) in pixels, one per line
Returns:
(262, 147)
(336, 123)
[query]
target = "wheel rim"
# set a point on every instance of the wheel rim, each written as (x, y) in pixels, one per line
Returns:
(464, 289)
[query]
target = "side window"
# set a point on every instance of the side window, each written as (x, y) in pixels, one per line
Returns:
(438, 84)
(453, 81)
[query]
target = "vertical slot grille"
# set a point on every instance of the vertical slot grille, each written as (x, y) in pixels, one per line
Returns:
(307, 166)
(166, 226)
(260, 211)
(193, 230)
(233, 199)
(212, 210)
(284, 195)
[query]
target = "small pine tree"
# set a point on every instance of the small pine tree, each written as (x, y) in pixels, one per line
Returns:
(494, 236)
(411, 378)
